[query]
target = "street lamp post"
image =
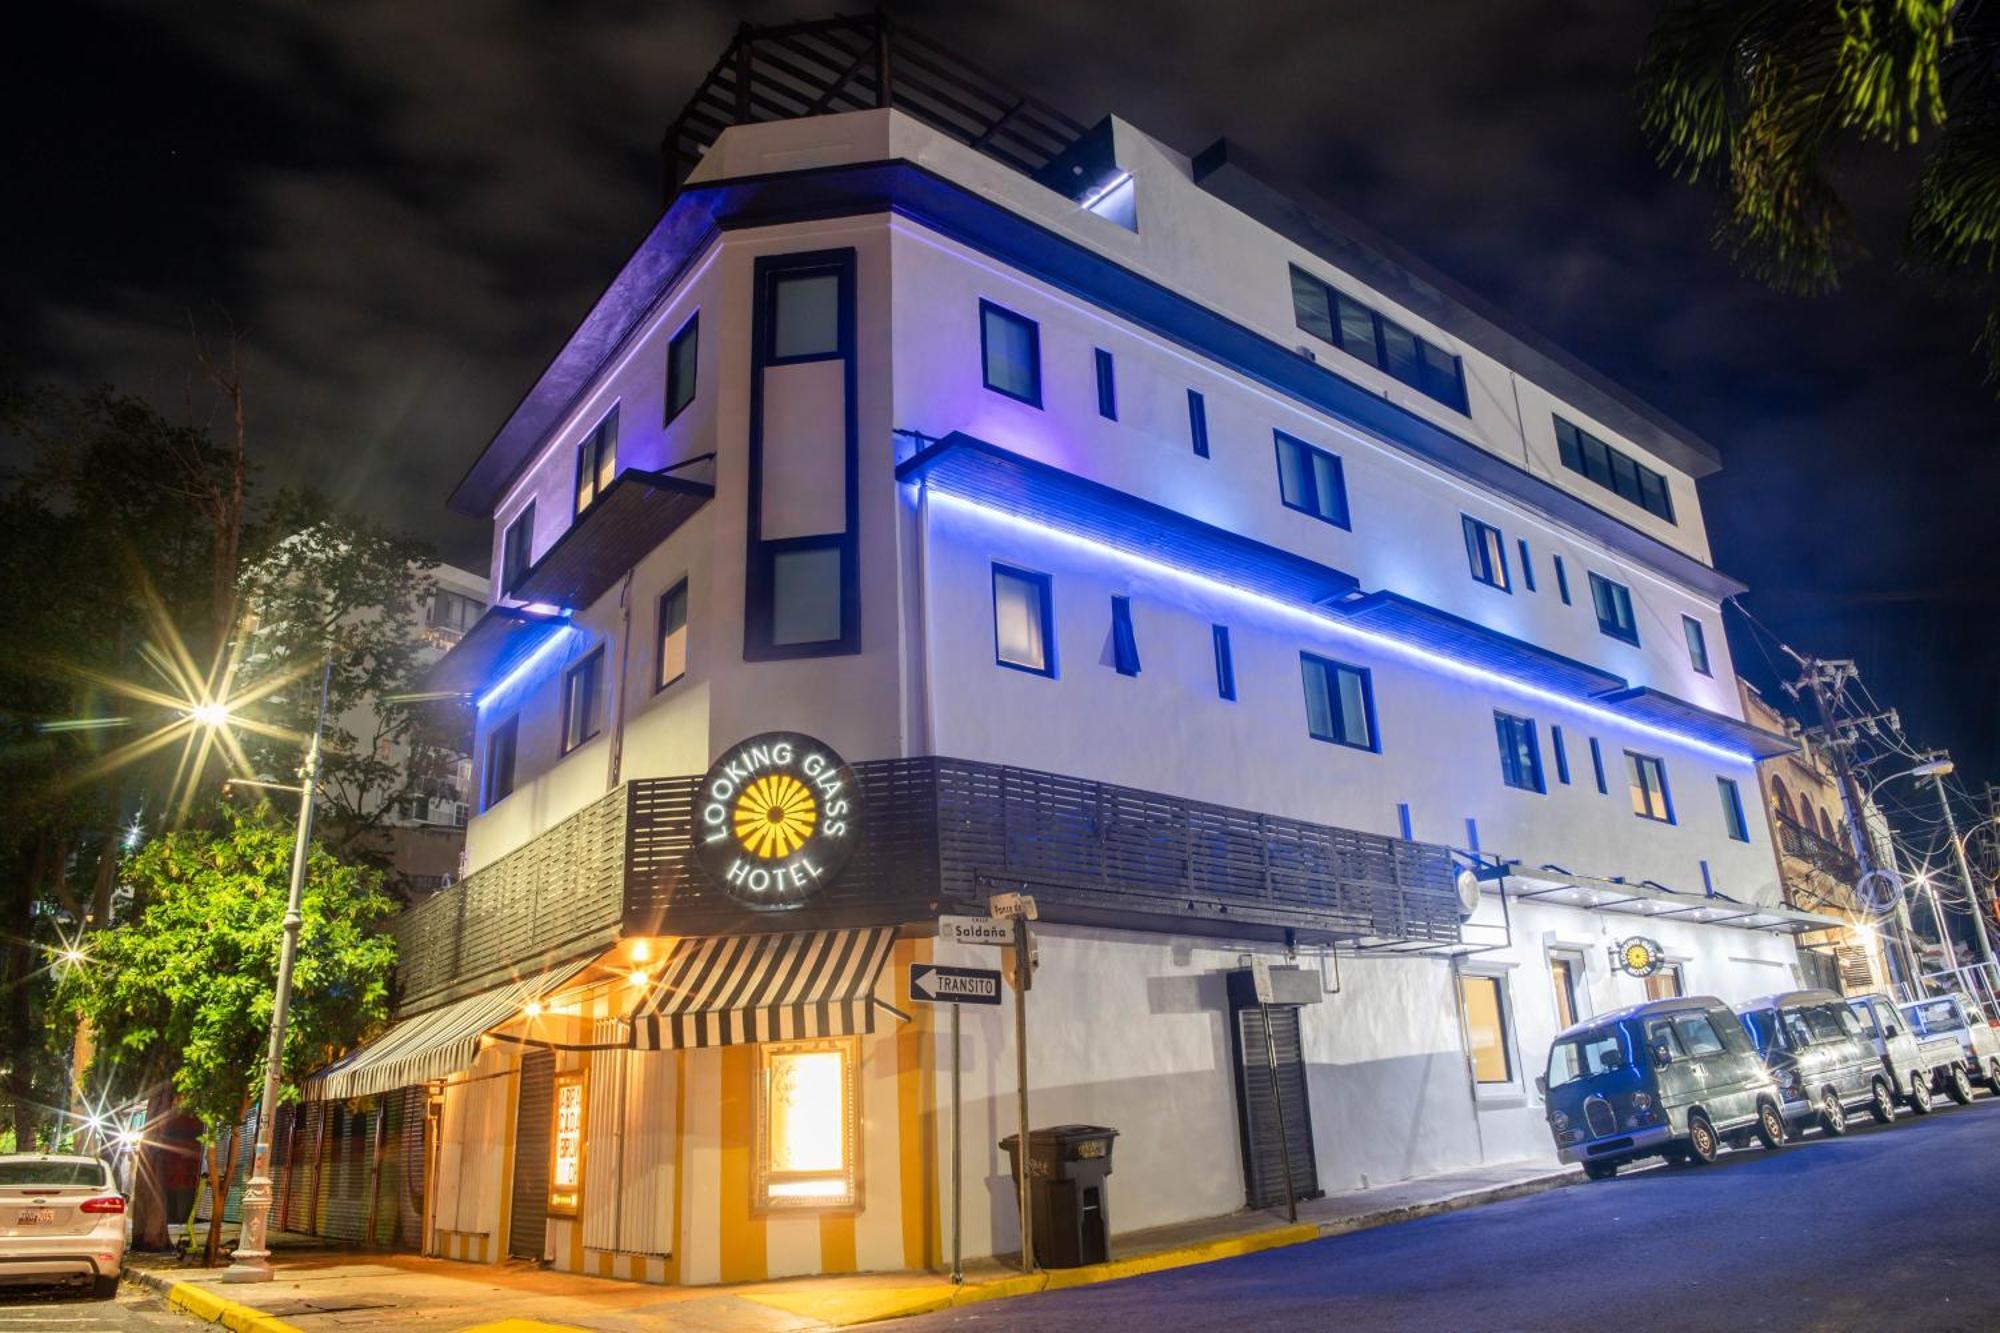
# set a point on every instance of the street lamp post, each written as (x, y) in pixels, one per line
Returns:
(1937, 773)
(252, 1262)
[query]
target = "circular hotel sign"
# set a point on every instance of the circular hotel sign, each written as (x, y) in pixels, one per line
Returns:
(776, 818)
(1639, 956)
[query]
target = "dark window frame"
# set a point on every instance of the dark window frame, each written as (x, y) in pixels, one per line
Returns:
(1107, 385)
(1735, 822)
(1561, 752)
(1480, 560)
(593, 664)
(1509, 729)
(1332, 668)
(774, 272)
(1046, 584)
(510, 731)
(516, 557)
(1198, 424)
(1696, 635)
(688, 336)
(1433, 371)
(1562, 580)
(660, 633)
(1225, 662)
(590, 451)
(1527, 564)
(1034, 396)
(1650, 764)
(1309, 477)
(1597, 767)
(1613, 469)
(1619, 595)
(1124, 639)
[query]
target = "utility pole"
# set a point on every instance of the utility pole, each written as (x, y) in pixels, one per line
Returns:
(1943, 766)
(1818, 679)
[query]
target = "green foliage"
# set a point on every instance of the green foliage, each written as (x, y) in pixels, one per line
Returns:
(187, 981)
(1762, 97)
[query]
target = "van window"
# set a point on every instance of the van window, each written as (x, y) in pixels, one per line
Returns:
(1584, 1057)
(1824, 1026)
(1660, 1032)
(1935, 1016)
(1698, 1035)
(1798, 1033)
(1762, 1025)
(1848, 1022)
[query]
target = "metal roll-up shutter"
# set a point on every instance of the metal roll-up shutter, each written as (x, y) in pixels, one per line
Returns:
(527, 1231)
(400, 1212)
(1257, 1108)
(344, 1214)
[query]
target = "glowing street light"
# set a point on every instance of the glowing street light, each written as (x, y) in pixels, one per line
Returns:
(210, 714)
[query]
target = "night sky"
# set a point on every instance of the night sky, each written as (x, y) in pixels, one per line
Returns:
(406, 207)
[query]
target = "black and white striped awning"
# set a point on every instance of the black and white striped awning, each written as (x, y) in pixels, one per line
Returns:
(731, 989)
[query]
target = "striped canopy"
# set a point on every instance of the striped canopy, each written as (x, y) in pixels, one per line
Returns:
(731, 989)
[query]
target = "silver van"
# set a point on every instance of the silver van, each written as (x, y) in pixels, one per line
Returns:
(1822, 1062)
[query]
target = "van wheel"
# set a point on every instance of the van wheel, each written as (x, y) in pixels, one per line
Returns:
(1993, 1074)
(1770, 1126)
(1959, 1086)
(1832, 1115)
(1701, 1141)
(1920, 1093)
(1882, 1105)
(1600, 1170)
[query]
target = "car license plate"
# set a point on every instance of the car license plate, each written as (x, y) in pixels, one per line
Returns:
(34, 1217)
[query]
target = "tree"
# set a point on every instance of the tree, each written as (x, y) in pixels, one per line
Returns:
(1761, 97)
(186, 983)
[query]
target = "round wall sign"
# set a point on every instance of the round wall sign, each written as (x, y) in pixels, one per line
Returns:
(1639, 956)
(776, 818)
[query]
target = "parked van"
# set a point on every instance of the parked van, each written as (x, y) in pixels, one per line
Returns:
(1823, 1065)
(1669, 1078)
(1959, 1017)
(1917, 1065)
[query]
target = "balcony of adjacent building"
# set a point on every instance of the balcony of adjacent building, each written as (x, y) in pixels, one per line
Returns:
(1813, 865)
(938, 835)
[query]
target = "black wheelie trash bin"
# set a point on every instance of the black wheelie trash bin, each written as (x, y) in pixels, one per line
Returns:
(1067, 1165)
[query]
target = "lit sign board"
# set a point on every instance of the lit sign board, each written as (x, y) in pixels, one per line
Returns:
(1639, 956)
(776, 819)
(566, 1146)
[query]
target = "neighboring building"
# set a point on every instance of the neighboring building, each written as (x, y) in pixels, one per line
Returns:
(1144, 540)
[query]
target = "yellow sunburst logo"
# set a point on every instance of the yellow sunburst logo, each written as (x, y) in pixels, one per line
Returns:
(775, 815)
(1638, 956)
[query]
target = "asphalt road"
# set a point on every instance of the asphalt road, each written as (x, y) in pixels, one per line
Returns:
(1891, 1227)
(59, 1310)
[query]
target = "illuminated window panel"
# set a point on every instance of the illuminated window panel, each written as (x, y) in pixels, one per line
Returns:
(806, 1122)
(566, 1146)
(1485, 1009)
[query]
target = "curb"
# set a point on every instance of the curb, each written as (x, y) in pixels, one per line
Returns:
(194, 1299)
(848, 1309)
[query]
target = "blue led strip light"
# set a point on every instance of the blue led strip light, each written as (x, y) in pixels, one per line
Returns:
(529, 665)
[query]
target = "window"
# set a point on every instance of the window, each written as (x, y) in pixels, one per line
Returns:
(453, 611)
(1310, 480)
(806, 595)
(681, 351)
(673, 645)
(1124, 644)
(1483, 1003)
(1023, 633)
(1666, 984)
(1590, 457)
(1698, 1035)
(1107, 386)
(1561, 753)
(804, 317)
(500, 747)
(566, 1145)
(1697, 640)
(1647, 778)
(1527, 565)
(1597, 767)
(1010, 349)
(1198, 423)
(806, 1125)
(1520, 753)
(1562, 580)
(1486, 549)
(582, 684)
(1363, 333)
(1585, 1056)
(1225, 664)
(514, 549)
(1660, 1033)
(597, 461)
(1340, 703)
(1614, 609)
(1732, 809)
(1562, 979)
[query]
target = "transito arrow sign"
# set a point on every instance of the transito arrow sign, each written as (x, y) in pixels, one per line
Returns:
(934, 983)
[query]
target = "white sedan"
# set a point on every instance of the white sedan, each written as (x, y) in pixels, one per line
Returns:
(62, 1219)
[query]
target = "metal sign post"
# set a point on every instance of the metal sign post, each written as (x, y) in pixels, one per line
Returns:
(1020, 909)
(957, 1163)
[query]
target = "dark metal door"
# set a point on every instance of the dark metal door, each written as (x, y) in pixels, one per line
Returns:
(527, 1231)
(1257, 1107)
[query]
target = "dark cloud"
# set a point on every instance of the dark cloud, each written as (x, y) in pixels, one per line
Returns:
(406, 206)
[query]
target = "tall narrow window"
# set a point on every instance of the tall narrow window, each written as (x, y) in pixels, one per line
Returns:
(1023, 632)
(597, 461)
(1340, 703)
(1561, 753)
(1614, 609)
(1011, 353)
(1520, 752)
(515, 548)
(1562, 580)
(1198, 422)
(582, 685)
(501, 744)
(1562, 979)
(1225, 663)
(1107, 386)
(806, 1130)
(1732, 809)
(805, 316)
(1697, 641)
(1310, 480)
(681, 353)
(1527, 565)
(1483, 1004)
(1486, 553)
(1647, 778)
(1597, 767)
(806, 594)
(673, 647)
(1124, 643)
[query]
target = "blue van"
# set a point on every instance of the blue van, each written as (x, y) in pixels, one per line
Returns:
(1669, 1078)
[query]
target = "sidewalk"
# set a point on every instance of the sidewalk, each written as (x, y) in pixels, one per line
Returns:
(327, 1289)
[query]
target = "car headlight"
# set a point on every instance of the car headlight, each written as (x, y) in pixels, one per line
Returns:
(1641, 1100)
(1559, 1120)
(1787, 1079)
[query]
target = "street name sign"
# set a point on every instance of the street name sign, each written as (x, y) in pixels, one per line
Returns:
(975, 930)
(933, 983)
